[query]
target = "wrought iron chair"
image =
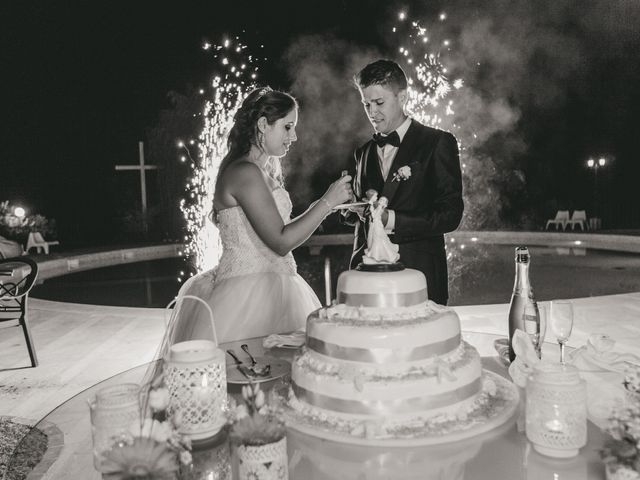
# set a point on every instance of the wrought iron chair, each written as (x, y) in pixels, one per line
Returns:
(17, 277)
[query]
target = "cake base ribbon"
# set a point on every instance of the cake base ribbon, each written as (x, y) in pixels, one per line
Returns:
(385, 407)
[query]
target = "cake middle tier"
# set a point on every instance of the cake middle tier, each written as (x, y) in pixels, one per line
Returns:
(422, 388)
(365, 335)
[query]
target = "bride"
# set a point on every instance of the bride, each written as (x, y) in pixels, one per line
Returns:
(256, 290)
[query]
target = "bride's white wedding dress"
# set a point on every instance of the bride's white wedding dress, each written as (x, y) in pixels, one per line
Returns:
(252, 292)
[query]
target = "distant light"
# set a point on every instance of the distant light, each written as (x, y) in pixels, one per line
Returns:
(180, 144)
(462, 247)
(590, 163)
(602, 162)
(191, 142)
(453, 240)
(443, 16)
(446, 43)
(201, 91)
(206, 46)
(402, 15)
(578, 242)
(226, 43)
(19, 212)
(183, 158)
(225, 61)
(474, 239)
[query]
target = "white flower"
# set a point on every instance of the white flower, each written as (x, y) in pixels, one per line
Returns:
(185, 457)
(403, 173)
(159, 399)
(259, 399)
(158, 431)
(241, 411)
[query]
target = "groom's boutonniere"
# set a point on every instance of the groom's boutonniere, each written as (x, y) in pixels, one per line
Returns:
(403, 173)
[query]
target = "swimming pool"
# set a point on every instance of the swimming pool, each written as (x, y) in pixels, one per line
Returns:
(479, 274)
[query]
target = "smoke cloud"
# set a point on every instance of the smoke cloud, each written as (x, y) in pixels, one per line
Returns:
(521, 62)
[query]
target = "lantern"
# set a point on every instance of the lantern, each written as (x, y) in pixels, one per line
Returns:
(195, 375)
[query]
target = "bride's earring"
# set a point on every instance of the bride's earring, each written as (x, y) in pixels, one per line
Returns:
(261, 141)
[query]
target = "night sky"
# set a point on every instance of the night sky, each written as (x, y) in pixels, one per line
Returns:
(82, 82)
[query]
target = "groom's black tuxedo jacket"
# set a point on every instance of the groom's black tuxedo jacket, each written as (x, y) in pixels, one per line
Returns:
(426, 205)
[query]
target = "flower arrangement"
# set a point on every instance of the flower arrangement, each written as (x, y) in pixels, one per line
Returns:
(255, 422)
(621, 453)
(152, 449)
(403, 173)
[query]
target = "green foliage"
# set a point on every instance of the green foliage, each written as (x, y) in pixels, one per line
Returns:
(18, 229)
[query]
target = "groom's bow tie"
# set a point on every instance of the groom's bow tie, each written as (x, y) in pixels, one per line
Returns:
(392, 139)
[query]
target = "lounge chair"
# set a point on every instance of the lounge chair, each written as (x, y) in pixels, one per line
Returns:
(579, 217)
(36, 240)
(562, 217)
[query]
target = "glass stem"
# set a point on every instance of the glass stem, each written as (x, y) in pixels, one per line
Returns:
(562, 353)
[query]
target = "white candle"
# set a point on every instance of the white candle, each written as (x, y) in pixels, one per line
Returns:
(554, 425)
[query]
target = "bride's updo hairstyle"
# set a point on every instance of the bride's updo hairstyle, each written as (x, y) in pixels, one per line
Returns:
(260, 102)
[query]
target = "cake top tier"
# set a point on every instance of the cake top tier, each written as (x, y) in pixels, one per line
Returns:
(404, 288)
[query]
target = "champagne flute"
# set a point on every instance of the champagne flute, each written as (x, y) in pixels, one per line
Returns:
(534, 319)
(561, 322)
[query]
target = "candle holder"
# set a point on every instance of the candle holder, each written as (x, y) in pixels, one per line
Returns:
(556, 410)
(113, 411)
(195, 375)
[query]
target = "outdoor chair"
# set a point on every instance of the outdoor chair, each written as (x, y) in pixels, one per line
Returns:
(36, 240)
(562, 217)
(17, 277)
(579, 217)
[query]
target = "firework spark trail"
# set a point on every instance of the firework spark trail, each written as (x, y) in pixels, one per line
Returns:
(202, 240)
(427, 76)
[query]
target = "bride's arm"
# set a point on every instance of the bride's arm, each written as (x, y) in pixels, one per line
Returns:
(252, 194)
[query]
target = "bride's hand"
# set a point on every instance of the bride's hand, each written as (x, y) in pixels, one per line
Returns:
(339, 192)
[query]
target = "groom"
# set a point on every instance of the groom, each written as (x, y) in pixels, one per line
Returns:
(416, 167)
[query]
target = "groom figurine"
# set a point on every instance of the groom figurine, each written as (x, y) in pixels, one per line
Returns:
(416, 167)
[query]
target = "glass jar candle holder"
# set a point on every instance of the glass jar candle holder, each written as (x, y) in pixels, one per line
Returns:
(556, 410)
(114, 410)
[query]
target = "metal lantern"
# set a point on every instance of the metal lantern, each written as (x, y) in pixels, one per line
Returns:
(195, 375)
(113, 411)
(556, 410)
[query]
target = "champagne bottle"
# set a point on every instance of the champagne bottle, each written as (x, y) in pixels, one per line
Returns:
(523, 311)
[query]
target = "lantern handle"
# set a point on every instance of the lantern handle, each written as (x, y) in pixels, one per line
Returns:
(178, 300)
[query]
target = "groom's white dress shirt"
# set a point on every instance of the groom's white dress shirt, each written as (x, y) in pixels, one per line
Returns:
(386, 155)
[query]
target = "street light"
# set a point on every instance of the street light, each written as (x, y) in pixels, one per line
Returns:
(596, 222)
(19, 212)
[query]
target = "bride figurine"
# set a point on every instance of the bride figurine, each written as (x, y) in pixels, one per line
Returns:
(379, 248)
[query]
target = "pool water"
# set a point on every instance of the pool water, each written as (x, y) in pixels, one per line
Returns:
(479, 274)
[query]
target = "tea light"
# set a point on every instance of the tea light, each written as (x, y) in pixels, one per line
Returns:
(556, 410)
(195, 374)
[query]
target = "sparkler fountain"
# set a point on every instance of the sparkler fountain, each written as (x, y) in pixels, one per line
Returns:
(228, 91)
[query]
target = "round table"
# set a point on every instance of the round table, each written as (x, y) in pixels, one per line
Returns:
(499, 454)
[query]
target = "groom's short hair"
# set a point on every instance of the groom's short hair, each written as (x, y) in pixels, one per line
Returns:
(381, 72)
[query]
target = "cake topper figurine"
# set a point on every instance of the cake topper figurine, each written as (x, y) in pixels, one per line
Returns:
(379, 249)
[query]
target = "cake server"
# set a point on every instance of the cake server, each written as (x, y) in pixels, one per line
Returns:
(247, 372)
(258, 368)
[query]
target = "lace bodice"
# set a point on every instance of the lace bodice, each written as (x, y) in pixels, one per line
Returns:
(243, 252)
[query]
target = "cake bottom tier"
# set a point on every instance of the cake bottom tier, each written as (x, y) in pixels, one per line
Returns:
(354, 393)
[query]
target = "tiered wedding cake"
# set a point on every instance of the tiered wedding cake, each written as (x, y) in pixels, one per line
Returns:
(384, 361)
(384, 352)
